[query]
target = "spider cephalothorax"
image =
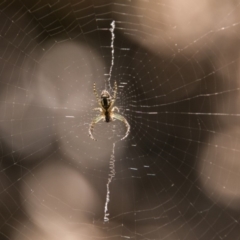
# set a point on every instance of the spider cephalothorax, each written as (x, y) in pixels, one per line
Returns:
(106, 102)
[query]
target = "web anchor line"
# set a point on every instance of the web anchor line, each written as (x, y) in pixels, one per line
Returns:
(112, 51)
(111, 176)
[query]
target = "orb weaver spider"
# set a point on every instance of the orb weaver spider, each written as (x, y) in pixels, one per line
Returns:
(107, 114)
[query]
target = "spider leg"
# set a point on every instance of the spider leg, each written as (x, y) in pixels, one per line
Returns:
(114, 96)
(123, 119)
(115, 91)
(91, 126)
(115, 108)
(98, 109)
(96, 94)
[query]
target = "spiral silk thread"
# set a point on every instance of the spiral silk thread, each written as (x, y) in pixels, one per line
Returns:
(111, 176)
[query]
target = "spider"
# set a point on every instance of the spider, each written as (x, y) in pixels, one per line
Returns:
(106, 102)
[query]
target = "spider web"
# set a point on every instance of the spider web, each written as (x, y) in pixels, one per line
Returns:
(177, 174)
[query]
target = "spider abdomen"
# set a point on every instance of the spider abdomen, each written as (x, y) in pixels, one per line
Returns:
(107, 116)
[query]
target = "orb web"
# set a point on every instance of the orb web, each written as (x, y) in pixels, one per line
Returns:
(176, 64)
